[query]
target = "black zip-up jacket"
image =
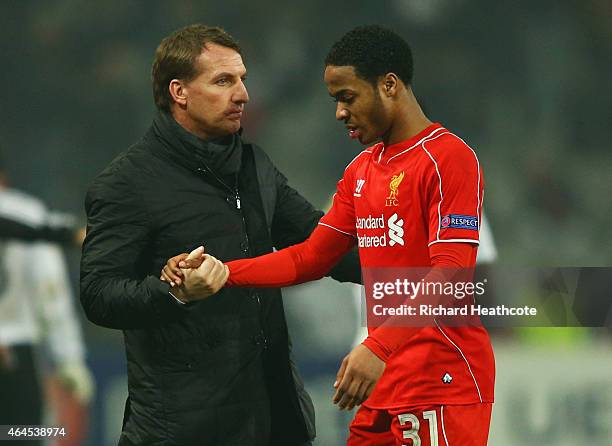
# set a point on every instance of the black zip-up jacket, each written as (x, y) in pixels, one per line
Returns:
(217, 372)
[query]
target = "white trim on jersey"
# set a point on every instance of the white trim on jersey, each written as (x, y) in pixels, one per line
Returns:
(336, 229)
(440, 188)
(478, 198)
(464, 358)
(456, 240)
(442, 422)
(358, 155)
(421, 141)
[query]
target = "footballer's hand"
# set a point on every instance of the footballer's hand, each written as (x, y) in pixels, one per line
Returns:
(357, 376)
(171, 272)
(204, 281)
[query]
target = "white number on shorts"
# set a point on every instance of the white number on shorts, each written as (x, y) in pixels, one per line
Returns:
(430, 415)
(413, 432)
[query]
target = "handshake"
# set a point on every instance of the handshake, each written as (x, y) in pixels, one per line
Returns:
(194, 276)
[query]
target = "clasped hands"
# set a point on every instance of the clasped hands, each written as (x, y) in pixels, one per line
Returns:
(197, 275)
(194, 276)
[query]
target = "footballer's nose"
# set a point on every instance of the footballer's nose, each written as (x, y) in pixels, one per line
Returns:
(342, 113)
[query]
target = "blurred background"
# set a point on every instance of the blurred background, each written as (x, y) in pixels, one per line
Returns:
(524, 83)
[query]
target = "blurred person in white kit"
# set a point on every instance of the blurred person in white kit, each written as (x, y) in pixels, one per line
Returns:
(37, 316)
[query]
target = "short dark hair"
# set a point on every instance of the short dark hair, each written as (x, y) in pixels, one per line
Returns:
(176, 55)
(373, 51)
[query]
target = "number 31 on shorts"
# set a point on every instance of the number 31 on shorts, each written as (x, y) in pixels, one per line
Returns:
(413, 425)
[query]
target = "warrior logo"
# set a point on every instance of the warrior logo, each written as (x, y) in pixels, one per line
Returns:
(396, 230)
(394, 190)
(358, 187)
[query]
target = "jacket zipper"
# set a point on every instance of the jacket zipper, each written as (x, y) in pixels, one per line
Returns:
(246, 235)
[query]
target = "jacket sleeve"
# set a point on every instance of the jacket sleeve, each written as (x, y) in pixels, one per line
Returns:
(295, 219)
(115, 293)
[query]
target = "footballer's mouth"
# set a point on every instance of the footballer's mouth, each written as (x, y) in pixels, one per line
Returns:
(353, 131)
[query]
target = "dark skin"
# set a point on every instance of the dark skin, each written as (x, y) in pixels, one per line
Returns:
(385, 110)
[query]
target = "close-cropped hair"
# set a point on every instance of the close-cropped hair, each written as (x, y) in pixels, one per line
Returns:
(373, 51)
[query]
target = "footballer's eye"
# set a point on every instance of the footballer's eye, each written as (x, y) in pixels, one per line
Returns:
(222, 82)
(344, 98)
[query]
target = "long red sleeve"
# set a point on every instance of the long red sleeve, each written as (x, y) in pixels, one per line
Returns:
(309, 260)
(383, 341)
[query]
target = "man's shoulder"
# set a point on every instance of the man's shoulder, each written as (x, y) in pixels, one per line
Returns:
(259, 153)
(361, 158)
(447, 147)
(129, 165)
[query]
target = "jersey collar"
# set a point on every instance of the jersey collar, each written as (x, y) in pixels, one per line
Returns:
(386, 153)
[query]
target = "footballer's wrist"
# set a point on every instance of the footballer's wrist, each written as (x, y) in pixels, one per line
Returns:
(375, 347)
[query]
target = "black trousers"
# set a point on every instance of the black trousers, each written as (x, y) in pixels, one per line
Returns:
(20, 393)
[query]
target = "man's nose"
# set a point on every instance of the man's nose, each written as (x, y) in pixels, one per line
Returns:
(341, 112)
(241, 96)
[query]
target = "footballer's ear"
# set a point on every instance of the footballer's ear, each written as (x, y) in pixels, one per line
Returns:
(178, 92)
(390, 84)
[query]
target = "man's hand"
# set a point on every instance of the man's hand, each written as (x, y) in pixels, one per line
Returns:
(204, 281)
(171, 272)
(358, 374)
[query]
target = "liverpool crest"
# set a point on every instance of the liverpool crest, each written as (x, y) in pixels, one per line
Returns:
(392, 199)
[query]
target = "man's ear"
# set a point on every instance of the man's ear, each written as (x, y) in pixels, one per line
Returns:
(390, 84)
(178, 92)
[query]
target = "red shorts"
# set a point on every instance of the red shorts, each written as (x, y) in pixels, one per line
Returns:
(463, 425)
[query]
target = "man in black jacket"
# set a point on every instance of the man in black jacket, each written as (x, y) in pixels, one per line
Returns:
(206, 371)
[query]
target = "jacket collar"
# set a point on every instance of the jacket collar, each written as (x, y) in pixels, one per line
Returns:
(221, 155)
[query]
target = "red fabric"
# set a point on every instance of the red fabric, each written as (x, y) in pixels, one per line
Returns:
(385, 340)
(309, 260)
(454, 425)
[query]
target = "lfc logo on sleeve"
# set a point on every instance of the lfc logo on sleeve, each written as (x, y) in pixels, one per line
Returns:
(394, 184)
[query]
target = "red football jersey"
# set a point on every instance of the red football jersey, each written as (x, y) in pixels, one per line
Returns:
(397, 201)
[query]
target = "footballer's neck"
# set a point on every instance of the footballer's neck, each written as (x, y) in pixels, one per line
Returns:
(409, 120)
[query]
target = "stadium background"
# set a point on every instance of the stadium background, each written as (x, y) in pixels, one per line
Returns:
(524, 83)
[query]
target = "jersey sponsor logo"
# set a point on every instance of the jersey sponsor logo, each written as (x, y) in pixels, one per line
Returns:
(370, 222)
(393, 236)
(459, 222)
(447, 378)
(358, 187)
(396, 230)
(394, 184)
